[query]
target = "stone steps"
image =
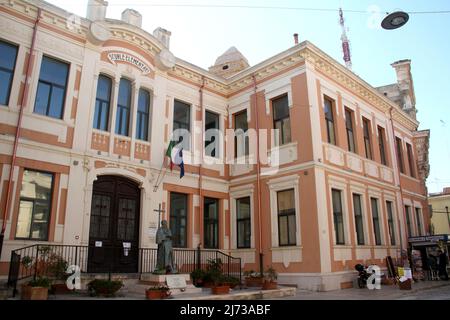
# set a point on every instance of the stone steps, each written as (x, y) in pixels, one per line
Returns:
(245, 295)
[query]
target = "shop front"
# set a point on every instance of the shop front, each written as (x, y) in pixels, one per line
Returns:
(424, 255)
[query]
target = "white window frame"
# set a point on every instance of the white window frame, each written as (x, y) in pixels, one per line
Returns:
(361, 191)
(238, 193)
(281, 184)
(341, 185)
(381, 216)
(391, 198)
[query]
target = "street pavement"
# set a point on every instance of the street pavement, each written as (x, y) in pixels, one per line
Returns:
(436, 290)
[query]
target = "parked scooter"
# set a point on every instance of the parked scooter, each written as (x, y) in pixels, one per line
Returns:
(363, 275)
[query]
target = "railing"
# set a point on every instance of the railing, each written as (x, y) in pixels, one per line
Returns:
(42, 260)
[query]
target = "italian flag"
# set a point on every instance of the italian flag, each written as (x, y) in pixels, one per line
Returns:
(175, 155)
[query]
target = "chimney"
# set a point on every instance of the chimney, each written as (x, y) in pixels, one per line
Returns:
(446, 191)
(406, 86)
(403, 70)
(132, 17)
(295, 38)
(96, 10)
(163, 36)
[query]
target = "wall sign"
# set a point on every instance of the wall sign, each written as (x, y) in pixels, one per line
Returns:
(115, 57)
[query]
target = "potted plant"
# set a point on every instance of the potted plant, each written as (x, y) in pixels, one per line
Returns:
(270, 282)
(220, 286)
(160, 291)
(232, 282)
(217, 277)
(101, 287)
(36, 289)
(253, 279)
(198, 276)
(56, 269)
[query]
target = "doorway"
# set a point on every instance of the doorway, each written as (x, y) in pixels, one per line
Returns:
(114, 226)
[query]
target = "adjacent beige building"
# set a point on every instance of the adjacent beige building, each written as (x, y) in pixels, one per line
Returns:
(440, 211)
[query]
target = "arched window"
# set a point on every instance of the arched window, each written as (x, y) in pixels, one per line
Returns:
(102, 103)
(123, 107)
(143, 115)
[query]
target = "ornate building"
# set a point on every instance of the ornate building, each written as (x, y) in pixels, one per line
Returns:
(87, 111)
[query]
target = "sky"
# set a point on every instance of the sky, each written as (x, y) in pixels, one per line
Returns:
(201, 34)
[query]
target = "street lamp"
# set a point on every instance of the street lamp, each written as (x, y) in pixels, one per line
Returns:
(395, 20)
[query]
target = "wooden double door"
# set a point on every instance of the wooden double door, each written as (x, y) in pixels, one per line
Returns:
(114, 226)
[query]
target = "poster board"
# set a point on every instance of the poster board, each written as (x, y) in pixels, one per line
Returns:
(391, 268)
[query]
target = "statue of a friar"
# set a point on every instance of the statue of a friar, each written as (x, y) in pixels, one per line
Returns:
(164, 262)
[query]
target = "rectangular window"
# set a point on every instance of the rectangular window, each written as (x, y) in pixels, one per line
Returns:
(35, 205)
(381, 145)
(391, 224)
(376, 221)
(102, 103)
(281, 120)
(51, 91)
(286, 218)
(349, 127)
(182, 123)
(241, 143)
(212, 134)
(211, 223)
(329, 121)
(338, 216)
(357, 207)
(367, 141)
(419, 221)
(410, 160)
(398, 145)
(8, 59)
(408, 220)
(178, 219)
(243, 222)
(143, 115)
(123, 107)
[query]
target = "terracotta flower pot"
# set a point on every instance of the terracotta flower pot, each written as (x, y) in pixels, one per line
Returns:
(157, 294)
(34, 293)
(60, 288)
(254, 282)
(220, 290)
(270, 285)
(153, 294)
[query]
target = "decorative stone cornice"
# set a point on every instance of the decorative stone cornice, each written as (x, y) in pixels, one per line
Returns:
(67, 23)
(355, 84)
(320, 61)
(119, 32)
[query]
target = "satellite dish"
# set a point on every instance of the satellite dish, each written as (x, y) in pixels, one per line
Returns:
(395, 20)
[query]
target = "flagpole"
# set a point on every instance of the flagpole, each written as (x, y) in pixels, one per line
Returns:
(163, 164)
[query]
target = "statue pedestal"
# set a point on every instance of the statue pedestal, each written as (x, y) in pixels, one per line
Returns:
(161, 278)
(186, 288)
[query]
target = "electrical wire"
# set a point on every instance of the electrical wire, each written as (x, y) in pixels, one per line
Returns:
(225, 6)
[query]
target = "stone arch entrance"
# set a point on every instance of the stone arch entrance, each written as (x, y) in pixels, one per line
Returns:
(114, 225)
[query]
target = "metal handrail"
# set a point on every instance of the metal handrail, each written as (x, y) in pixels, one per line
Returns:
(33, 261)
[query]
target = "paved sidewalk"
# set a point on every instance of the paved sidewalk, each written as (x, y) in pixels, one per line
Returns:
(387, 292)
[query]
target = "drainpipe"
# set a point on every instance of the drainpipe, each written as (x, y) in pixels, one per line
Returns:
(399, 183)
(258, 176)
(18, 131)
(200, 178)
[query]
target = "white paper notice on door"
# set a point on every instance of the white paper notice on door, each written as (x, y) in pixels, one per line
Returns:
(127, 245)
(98, 243)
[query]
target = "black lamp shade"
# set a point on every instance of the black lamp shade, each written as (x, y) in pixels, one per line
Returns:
(395, 20)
